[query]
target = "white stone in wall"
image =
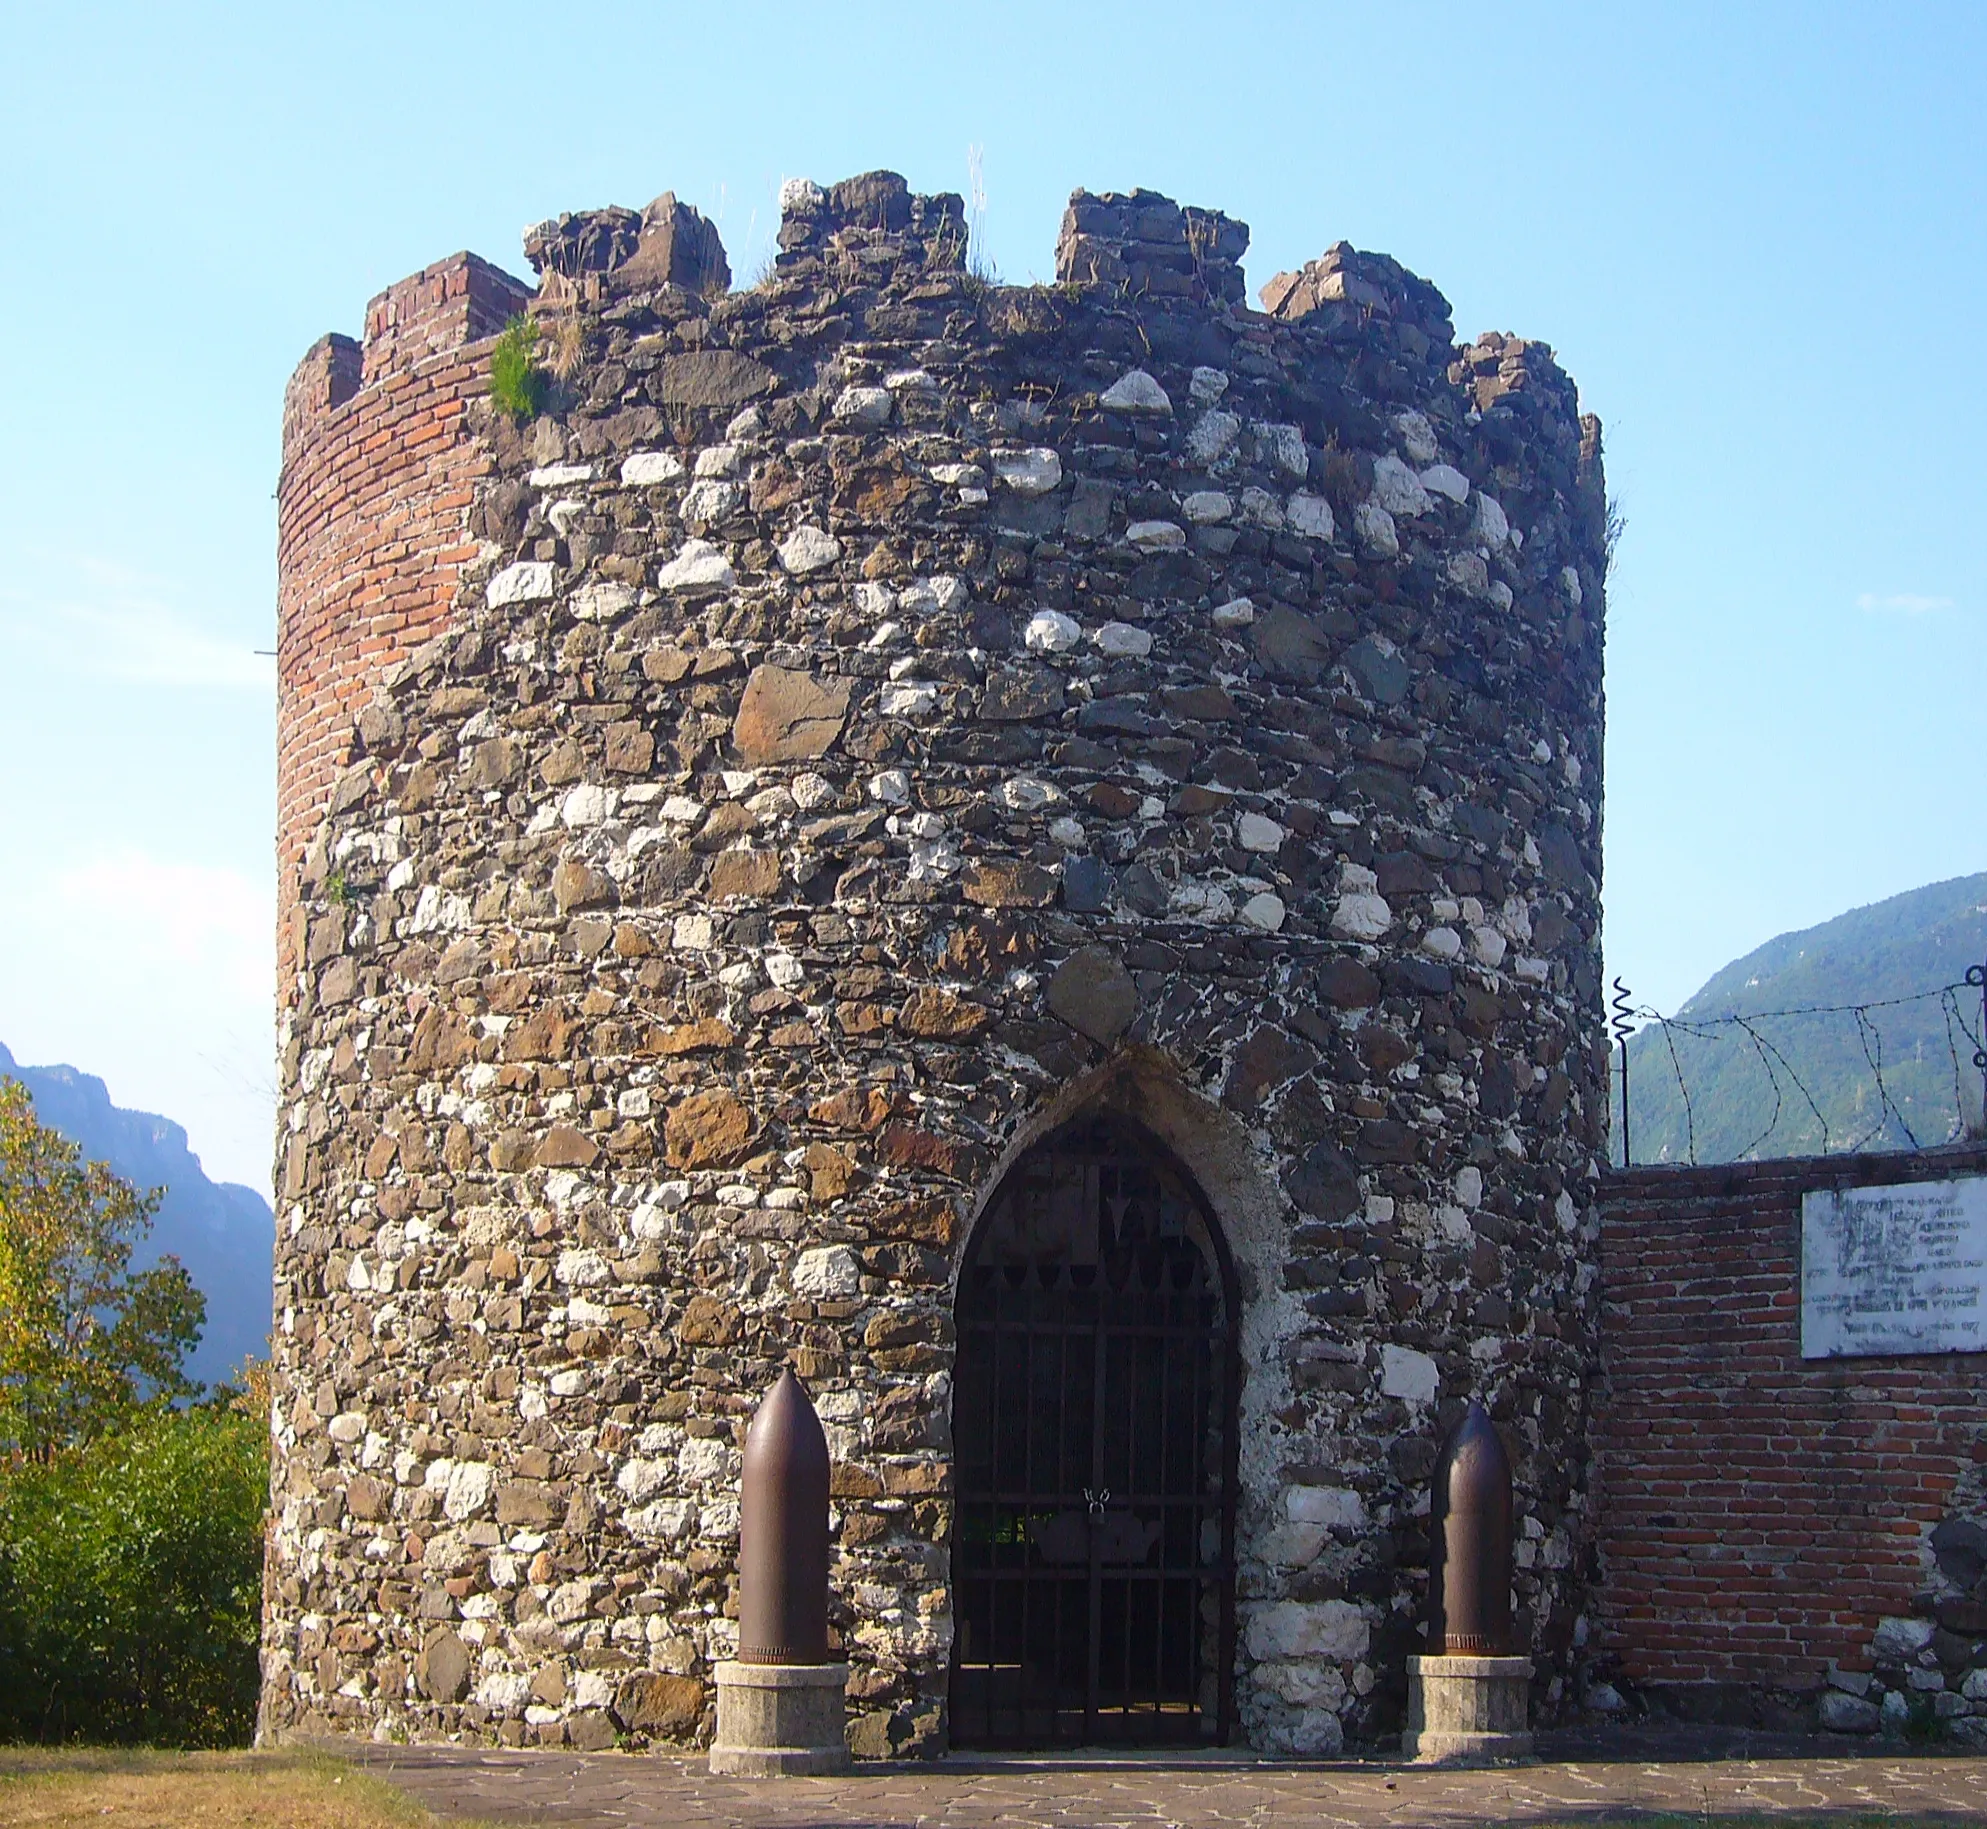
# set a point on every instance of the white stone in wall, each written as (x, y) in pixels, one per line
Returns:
(1307, 1683)
(1469, 1187)
(1255, 832)
(347, 1427)
(811, 791)
(1283, 445)
(1407, 1374)
(1569, 585)
(1309, 1629)
(863, 406)
(1156, 536)
(1024, 794)
(1292, 1545)
(1362, 917)
(1487, 946)
(601, 602)
(707, 1462)
(1213, 438)
(892, 788)
(708, 500)
(1468, 572)
(1207, 507)
(559, 476)
(1135, 392)
(1051, 632)
(1310, 515)
(916, 380)
(1491, 525)
(642, 468)
(922, 596)
(784, 971)
(1898, 1640)
(1264, 911)
(469, 1489)
(1442, 943)
(1264, 509)
(1446, 479)
(829, 1273)
(717, 460)
(748, 423)
(698, 565)
(1375, 528)
(1417, 436)
(1397, 489)
(641, 1479)
(693, 934)
(1192, 901)
(1031, 472)
(1337, 1506)
(1236, 613)
(808, 549)
(1206, 386)
(1122, 641)
(907, 700)
(583, 1269)
(588, 805)
(503, 1690)
(528, 581)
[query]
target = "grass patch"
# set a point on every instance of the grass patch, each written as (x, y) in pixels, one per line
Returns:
(517, 383)
(108, 1788)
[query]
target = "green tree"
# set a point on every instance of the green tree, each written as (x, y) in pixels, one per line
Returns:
(131, 1582)
(86, 1342)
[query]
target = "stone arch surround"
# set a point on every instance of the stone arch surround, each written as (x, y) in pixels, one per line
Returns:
(869, 713)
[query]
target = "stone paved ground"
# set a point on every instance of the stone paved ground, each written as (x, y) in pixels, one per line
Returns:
(604, 1791)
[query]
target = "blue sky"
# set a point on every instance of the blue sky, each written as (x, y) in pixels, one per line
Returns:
(1753, 233)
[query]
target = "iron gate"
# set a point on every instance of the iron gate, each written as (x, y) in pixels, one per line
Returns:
(1094, 1425)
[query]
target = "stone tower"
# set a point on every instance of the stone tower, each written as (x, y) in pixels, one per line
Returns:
(1032, 853)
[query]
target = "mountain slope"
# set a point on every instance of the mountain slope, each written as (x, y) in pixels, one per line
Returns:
(223, 1233)
(1889, 954)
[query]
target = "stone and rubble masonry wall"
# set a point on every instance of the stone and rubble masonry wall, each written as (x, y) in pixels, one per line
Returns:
(1783, 1541)
(865, 719)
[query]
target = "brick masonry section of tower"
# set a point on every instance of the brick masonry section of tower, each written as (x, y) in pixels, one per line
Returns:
(865, 723)
(372, 522)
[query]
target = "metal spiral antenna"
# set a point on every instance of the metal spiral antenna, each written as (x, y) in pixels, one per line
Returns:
(1622, 1022)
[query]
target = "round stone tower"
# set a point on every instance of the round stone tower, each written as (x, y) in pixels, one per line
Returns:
(1031, 853)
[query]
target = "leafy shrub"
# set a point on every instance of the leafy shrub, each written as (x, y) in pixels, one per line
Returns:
(130, 1583)
(517, 383)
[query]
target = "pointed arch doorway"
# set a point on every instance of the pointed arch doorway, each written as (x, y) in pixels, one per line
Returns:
(1094, 1425)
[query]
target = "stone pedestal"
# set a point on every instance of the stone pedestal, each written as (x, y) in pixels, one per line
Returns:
(780, 1720)
(1468, 1710)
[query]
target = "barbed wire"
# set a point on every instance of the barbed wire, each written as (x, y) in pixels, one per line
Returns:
(1626, 1020)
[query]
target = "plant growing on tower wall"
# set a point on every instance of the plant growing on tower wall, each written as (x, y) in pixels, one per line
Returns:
(517, 383)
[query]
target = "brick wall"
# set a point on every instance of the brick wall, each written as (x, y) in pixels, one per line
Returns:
(379, 463)
(1760, 1513)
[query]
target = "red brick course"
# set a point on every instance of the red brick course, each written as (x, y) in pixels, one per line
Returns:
(1759, 1512)
(380, 460)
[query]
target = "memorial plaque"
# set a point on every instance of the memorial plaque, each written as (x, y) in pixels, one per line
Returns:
(1894, 1270)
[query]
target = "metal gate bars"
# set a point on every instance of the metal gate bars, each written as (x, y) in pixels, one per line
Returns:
(1094, 1422)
